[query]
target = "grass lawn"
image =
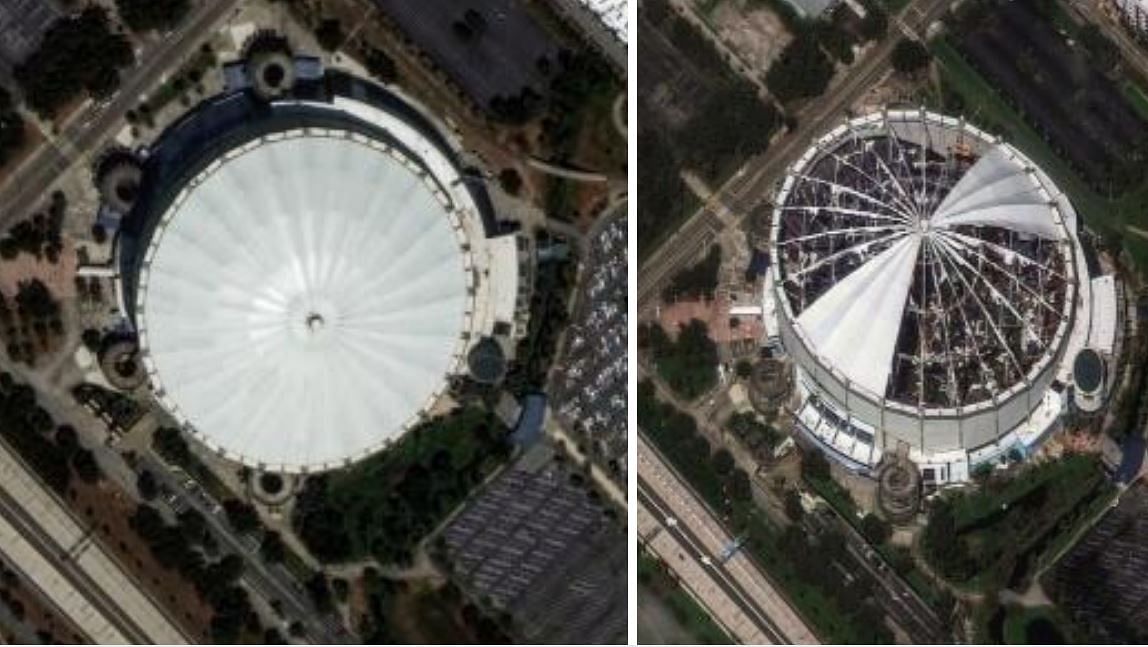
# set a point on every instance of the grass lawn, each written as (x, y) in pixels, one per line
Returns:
(1136, 97)
(1033, 626)
(1103, 213)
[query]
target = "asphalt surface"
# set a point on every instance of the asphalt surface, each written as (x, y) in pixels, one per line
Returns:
(694, 550)
(63, 560)
(695, 511)
(754, 183)
(895, 597)
(25, 187)
(272, 582)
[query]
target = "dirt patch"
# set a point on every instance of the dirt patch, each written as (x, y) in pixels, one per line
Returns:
(59, 277)
(428, 616)
(754, 32)
(716, 315)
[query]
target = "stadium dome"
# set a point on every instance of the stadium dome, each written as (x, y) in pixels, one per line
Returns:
(926, 282)
(305, 293)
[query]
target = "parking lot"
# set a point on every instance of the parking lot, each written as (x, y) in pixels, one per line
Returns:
(589, 394)
(491, 49)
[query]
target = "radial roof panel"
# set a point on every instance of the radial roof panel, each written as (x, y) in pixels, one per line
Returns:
(923, 261)
(305, 300)
(875, 293)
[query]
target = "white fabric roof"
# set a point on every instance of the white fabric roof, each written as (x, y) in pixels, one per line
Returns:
(1102, 335)
(855, 323)
(874, 294)
(304, 300)
(998, 191)
(503, 277)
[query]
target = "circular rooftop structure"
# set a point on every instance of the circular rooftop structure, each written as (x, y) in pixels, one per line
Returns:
(925, 278)
(307, 295)
(1088, 371)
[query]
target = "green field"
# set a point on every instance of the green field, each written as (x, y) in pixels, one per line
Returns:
(1033, 626)
(1003, 533)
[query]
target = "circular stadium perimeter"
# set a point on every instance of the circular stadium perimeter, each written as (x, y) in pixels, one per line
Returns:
(304, 292)
(926, 281)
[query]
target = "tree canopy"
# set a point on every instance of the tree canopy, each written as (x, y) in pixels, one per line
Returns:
(12, 134)
(78, 53)
(802, 70)
(146, 15)
(689, 363)
(910, 56)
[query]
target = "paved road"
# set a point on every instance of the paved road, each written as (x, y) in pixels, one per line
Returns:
(896, 598)
(268, 581)
(762, 629)
(271, 582)
(661, 488)
(754, 183)
(1132, 51)
(71, 567)
(24, 189)
(595, 30)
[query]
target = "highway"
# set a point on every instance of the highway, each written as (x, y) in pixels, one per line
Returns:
(695, 526)
(754, 183)
(897, 599)
(25, 187)
(62, 558)
(763, 629)
(271, 582)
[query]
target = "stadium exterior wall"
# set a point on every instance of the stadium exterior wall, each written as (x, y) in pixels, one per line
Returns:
(930, 431)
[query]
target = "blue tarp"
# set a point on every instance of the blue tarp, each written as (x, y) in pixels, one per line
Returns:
(529, 427)
(1133, 457)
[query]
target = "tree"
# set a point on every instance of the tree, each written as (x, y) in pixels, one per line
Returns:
(698, 281)
(814, 466)
(743, 369)
(510, 181)
(793, 508)
(910, 56)
(147, 486)
(146, 15)
(84, 462)
(168, 442)
(78, 53)
(320, 592)
(381, 66)
(876, 21)
(738, 487)
(12, 128)
(92, 339)
(801, 71)
(241, 515)
(875, 529)
(330, 34)
(688, 364)
(722, 463)
(67, 440)
(272, 548)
